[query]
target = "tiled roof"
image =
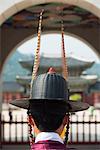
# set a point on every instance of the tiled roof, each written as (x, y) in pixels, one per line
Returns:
(94, 70)
(13, 68)
(72, 63)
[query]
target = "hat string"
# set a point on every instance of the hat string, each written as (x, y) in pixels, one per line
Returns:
(37, 54)
(64, 64)
(34, 74)
(65, 75)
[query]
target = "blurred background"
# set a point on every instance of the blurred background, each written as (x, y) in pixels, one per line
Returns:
(18, 45)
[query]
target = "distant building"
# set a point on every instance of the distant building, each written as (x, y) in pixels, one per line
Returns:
(88, 86)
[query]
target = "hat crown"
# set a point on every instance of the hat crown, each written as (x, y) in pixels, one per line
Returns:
(47, 89)
(50, 86)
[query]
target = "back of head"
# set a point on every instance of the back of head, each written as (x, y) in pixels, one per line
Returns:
(47, 117)
(48, 122)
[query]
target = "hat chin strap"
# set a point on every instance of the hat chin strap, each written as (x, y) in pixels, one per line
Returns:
(30, 131)
(67, 131)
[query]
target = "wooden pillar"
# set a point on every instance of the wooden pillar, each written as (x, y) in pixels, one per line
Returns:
(0, 112)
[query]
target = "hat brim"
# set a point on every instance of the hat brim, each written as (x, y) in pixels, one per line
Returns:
(75, 105)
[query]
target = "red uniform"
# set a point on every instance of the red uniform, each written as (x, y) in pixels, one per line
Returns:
(48, 145)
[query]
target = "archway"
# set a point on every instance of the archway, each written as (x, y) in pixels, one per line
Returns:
(87, 29)
(13, 7)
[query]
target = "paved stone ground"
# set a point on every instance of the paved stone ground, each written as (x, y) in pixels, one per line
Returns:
(73, 147)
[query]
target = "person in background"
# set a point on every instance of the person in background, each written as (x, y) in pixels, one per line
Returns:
(10, 115)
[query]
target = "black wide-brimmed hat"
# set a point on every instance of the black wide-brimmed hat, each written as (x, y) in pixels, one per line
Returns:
(50, 89)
